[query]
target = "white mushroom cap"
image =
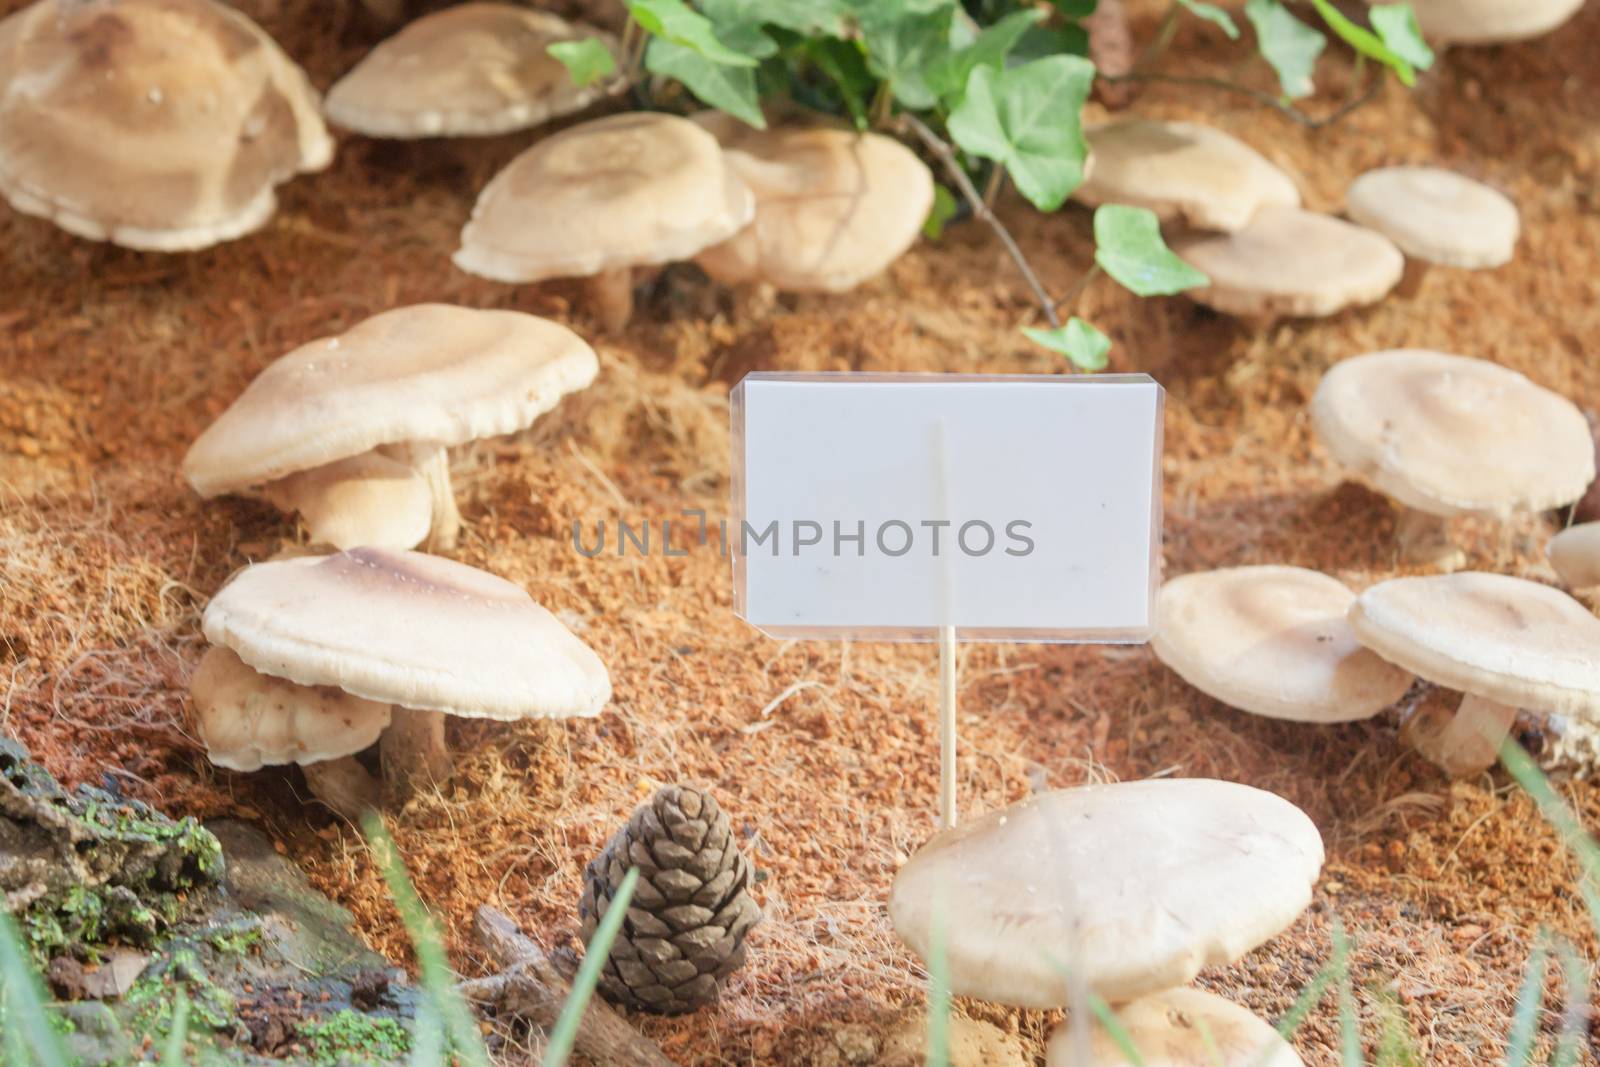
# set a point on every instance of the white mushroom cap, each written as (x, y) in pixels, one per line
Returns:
(1181, 1028)
(1436, 215)
(1286, 261)
(1133, 887)
(833, 208)
(1490, 21)
(249, 720)
(1575, 554)
(1505, 639)
(1273, 641)
(1182, 170)
(630, 190)
(154, 124)
(469, 70)
(409, 629)
(367, 499)
(1450, 435)
(428, 373)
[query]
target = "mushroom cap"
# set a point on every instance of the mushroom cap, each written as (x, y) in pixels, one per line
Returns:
(1273, 641)
(249, 720)
(1134, 886)
(153, 124)
(369, 499)
(1505, 639)
(833, 208)
(1450, 435)
(1490, 21)
(1286, 261)
(410, 629)
(1182, 170)
(1166, 1028)
(470, 70)
(630, 190)
(1436, 215)
(430, 372)
(1575, 554)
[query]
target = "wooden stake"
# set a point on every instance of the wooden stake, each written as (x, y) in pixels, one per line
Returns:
(947, 727)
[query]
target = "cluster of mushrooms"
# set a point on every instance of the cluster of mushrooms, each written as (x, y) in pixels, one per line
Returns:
(114, 134)
(317, 658)
(1238, 218)
(1442, 435)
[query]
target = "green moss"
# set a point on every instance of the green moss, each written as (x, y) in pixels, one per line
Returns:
(351, 1037)
(153, 996)
(235, 940)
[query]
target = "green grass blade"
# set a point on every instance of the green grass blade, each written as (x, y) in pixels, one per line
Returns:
(1115, 1030)
(25, 1000)
(1561, 816)
(172, 1052)
(427, 1037)
(1397, 1045)
(1312, 992)
(1575, 1016)
(1349, 1018)
(438, 981)
(1530, 1000)
(938, 995)
(594, 958)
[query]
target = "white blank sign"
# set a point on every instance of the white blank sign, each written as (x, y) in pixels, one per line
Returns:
(887, 506)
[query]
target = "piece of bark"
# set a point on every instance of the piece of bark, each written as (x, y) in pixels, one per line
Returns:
(532, 987)
(1111, 49)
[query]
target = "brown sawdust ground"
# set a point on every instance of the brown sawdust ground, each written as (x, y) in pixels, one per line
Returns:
(112, 361)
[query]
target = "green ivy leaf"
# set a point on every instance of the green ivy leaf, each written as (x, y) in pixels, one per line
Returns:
(1214, 14)
(1128, 246)
(1028, 119)
(902, 41)
(673, 22)
(948, 74)
(587, 60)
(727, 88)
(1365, 41)
(1075, 9)
(1083, 345)
(942, 211)
(1288, 44)
(843, 64)
(1397, 27)
(1068, 39)
(808, 18)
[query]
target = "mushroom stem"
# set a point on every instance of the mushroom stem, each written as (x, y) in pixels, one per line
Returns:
(344, 785)
(1414, 277)
(432, 463)
(1465, 742)
(611, 293)
(414, 752)
(1425, 541)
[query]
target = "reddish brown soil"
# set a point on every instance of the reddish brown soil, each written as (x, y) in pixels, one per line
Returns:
(112, 361)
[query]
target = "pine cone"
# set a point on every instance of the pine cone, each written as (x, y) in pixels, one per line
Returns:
(691, 910)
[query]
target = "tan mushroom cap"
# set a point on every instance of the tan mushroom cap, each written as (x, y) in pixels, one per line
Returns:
(470, 70)
(154, 124)
(1490, 21)
(1181, 1028)
(1273, 641)
(250, 720)
(1505, 639)
(1286, 261)
(626, 191)
(1575, 554)
(1449, 435)
(1134, 887)
(428, 373)
(833, 208)
(1437, 215)
(369, 499)
(1182, 170)
(410, 629)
